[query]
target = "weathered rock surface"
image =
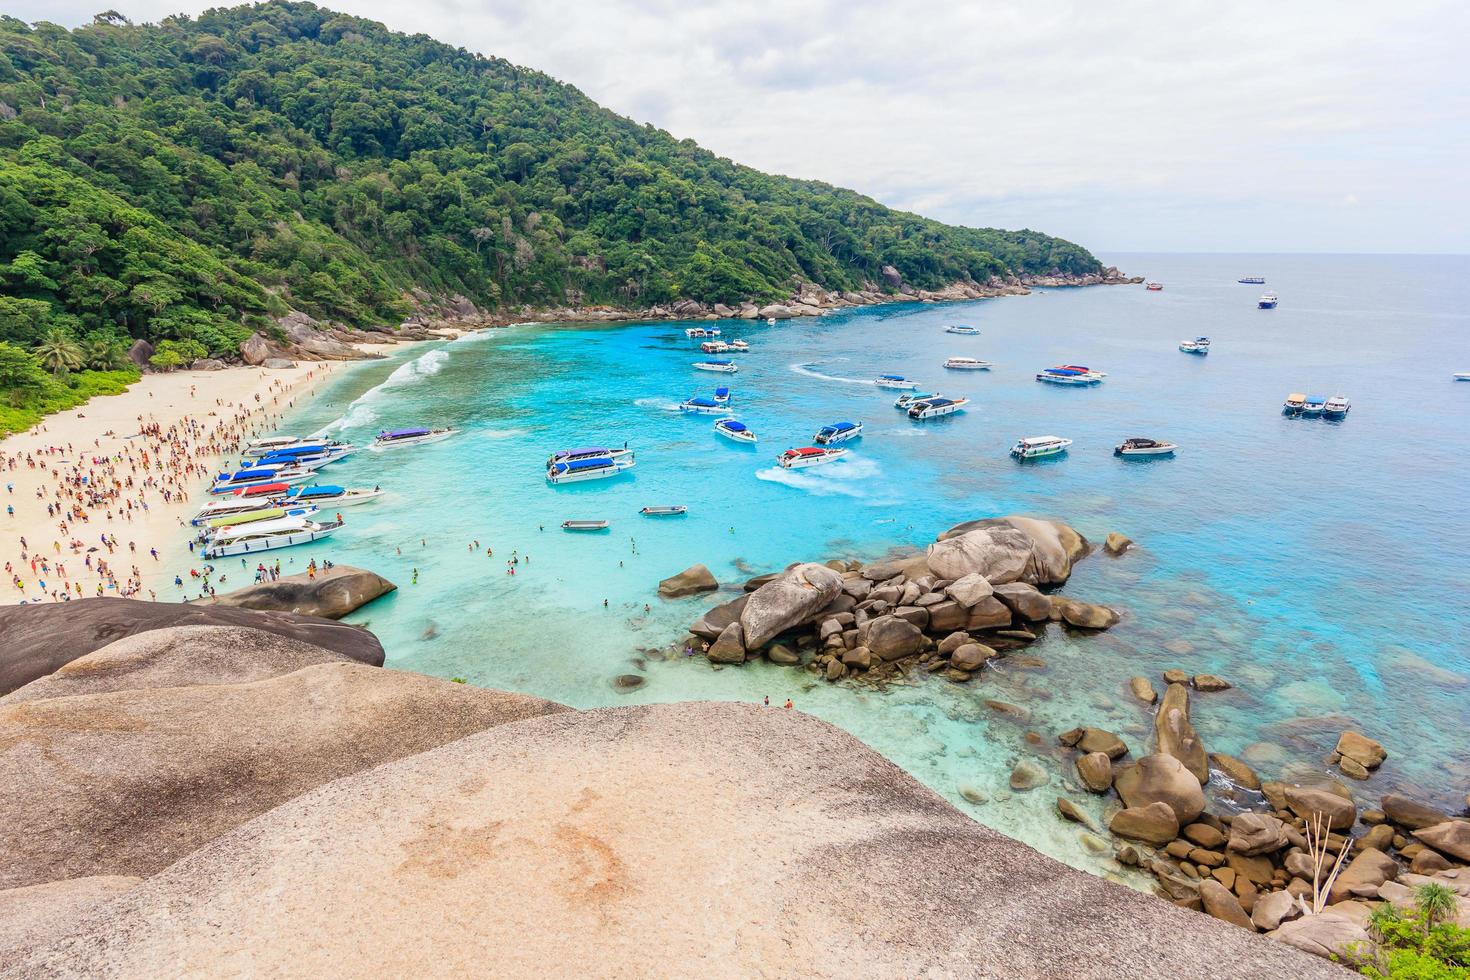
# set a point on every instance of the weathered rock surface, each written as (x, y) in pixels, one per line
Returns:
(890, 637)
(1024, 600)
(729, 646)
(39, 638)
(1117, 543)
(1096, 771)
(969, 590)
(1160, 778)
(1027, 775)
(1361, 749)
(1367, 866)
(1084, 615)
(331, 594)
(1257, 833)
(563, 832)
(788, 601)
(1410, 813)
(997, 554)
(713, 622)
(1143, 690)
(1305, 801)
(1223, 905)
(1327, 935)
(1238, 772)
(691, 581)
(1452, 837)
(1273, 909)
(1176, 735)
(1152, 824)
(128, 781)
(29, 916)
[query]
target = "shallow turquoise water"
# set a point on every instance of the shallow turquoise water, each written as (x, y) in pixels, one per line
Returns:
(1300, 559)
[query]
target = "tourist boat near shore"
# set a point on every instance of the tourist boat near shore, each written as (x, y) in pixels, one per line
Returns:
(234, 504)
(702, 406)
(721, 366)
(698, 333)
(1294, 403)
(905, 400)
(588, 452)
(331, 495)
(714, 347)
(1252, 281)
(1314, 405)
(588, 468)
(257, 476)
(410, 437)
(738, 345)
(735, 431)
(1033, 446)
(215, 525)
(896, 382)
(260, 536)
(584, 525)
(669, 510)
(310, 456)
(962, 330)
(1267, 301)
(1067, 376)
(796, 459)
(967, 364)
(933, 408)
(830, 435)
(1144, 447)
(1153, 287)
(722, 395)
(1199, 345)
(1336, 407)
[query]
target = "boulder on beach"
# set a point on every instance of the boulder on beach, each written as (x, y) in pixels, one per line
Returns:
(891, 637)
(1175, 734)
(713, 622)
(1452, 838)
(1223, 905)
(1409, 813)
(729, 646)
(1307, 802)
(1161, 778)
(790, 600)
(691, 581)
(1153, 824)
(1256, 833)
(1368, 867)
(1084, 615)
(39, 638)
(331, 593)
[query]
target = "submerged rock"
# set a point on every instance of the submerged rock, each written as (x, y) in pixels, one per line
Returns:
(1143, 690)
(1027, 775)
(1152, 824)
(1236, 771)
(1117, 543)
(1084, 615)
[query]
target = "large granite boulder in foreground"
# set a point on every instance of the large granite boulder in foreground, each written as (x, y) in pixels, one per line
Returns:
(331, 594)
(1024, 549)
(540, 847)
(37, 639)
(127, 781)
(793, 598)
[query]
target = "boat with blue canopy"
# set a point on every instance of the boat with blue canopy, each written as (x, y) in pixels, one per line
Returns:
(410, 437)
(331, 495)
(962, 330)
(829, 435)
(589, 468)
(588, 452)
(257, 476)
(895, 382)
(723, 395)
(702, 406)
(735, 431)
(1068, 376)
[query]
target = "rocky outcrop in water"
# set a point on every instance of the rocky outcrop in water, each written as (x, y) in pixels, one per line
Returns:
(329, 593)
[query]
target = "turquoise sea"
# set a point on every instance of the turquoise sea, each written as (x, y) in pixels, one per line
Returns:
(1322, 567)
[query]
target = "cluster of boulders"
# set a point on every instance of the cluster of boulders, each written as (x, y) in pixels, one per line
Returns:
(300, 337)
(1251, 862)
(973, 595)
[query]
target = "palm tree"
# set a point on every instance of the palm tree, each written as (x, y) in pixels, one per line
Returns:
(57, 352)
(1435, 903)
(102, 355)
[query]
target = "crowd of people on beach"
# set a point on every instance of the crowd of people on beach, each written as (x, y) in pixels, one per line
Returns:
(87, 494)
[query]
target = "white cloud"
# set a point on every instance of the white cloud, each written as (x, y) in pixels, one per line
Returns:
(1132, 124)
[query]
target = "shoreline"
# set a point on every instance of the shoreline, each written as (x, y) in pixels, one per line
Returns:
(108, 482)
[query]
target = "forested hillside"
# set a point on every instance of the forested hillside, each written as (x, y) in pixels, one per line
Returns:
(186, 180)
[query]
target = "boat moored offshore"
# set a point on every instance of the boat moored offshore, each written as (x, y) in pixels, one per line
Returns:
(896, 382)
(967, 364)
(1144, 447)
(1252, 281)
(905, 400)
(256, 477)
(1067, 376)
(722, 395)
(738, 345)
(1033, 446)
(668, 510)
(1314, 405)
(584, 525)
(588, 468)
(714, 347)
(331, 495)
(962, 330)
(933, 408)
(720, 366)
(735, 431)
(698, 333)
(702, 406)
(409, 437)
(1153, 287)
(588, 452)
(796, 459)
(829, 435)
(1267, 301)
(1294, 403)
(1199, 345)
(1336, 407)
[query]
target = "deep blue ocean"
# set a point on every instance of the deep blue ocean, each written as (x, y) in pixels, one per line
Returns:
(1322, 567)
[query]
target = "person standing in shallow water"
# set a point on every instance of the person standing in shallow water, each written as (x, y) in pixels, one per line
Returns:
(788, 702)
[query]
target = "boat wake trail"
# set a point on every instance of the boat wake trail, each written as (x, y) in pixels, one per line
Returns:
(504, 433)
(840, 479)
(808, 369)
(657, 403)
(361, 413)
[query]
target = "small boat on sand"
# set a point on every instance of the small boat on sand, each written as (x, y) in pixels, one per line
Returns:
(670, 510)
(1144, 447)
(829, 435)
(735, 431)
(719, 366)
(584, 525)
(1033, 446)
(797, 459)
(896, 382)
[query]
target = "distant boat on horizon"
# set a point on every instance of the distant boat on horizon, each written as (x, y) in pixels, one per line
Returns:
(1252, 281)
(1267, 301)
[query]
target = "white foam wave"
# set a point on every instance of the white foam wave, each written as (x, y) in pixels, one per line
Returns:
(839, 479)
(361, 413)
(808, 370)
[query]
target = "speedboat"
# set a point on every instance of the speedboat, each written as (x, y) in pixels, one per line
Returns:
(1153, 287)
(584, 525)
(739, 345)
(1096, 375)
(905, 400)
(309, 456)
(1033, 446)
(257, 476)
(1199, 345)
(704, 406)
(258, 536)
(735, 431)
(696, 333)
(410, 437)
(1253, 281)
(671, 510)
(962, 330)
(588, 468)
(587, 452)
(896, 382)
(1314, 405)
(1267, 301)
(1336, 407)
(217, 524)
(1463, 376)
(723, 367)
(331, 495)
(1295, 402)
(1067, 376)
(1144, 447)
(722, 395)
(967, 364)
(714, 347)
(935, 407)
(829, 435)
(232, 504)
(796, 459)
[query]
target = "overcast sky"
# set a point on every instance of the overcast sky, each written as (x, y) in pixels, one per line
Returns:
(1295, 125)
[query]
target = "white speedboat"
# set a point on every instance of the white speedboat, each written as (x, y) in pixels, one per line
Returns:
(670, 510)
(907, 399)
(1066, 376)
(588, 452)
(699, 333)
(1144, 447)
(233, 504)
(934, 408)
(739, 345)
(1033, 446)
(1153, 287)
(1314, 406)
(735, 431)
(331, 495)
(218, 524)
(588, 468)
(1199, 345)
(1336, 407)
(306, 457)
(720, 366)
(829, 435)
(265, 444)
(410, 437)
(796, 459)
(584, 525)
(1294, 403)
(260, 536)
(702, 406)
(714, 347)
(967, 364)
(256, 477)
(1268, 301)
(962, 330)
(895, 382)
(722, 395)
(1463, 376)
